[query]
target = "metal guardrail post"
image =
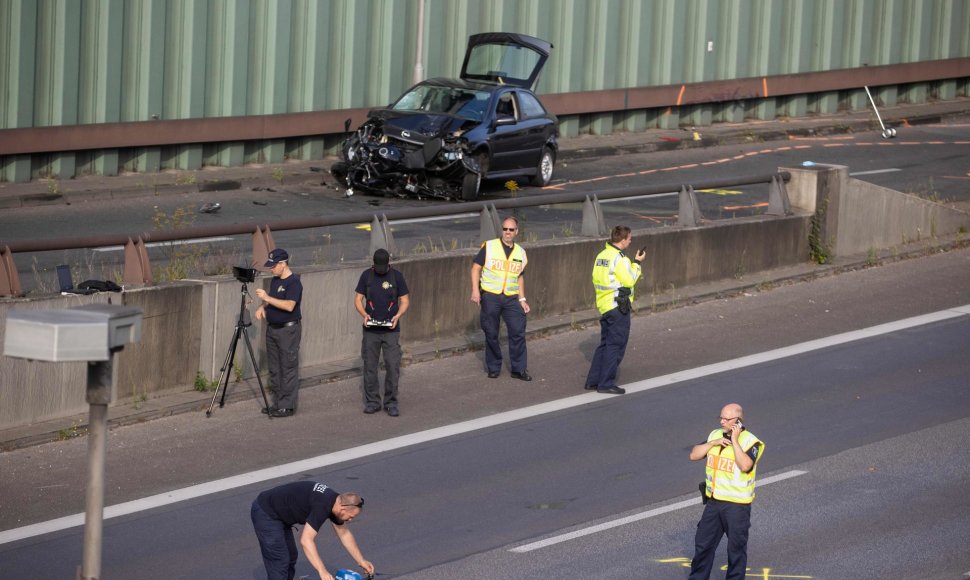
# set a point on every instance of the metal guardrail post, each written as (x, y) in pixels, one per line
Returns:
(688, 213)
(262, 245)
(489, 225)
(593, 223)
(778, 202)
(138, 270)
(9, 277)
(381, 236)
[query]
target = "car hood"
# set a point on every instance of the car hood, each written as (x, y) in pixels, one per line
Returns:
(504, 58)
(418, 128)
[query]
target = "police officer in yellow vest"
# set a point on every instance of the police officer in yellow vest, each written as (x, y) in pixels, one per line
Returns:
(732, 454)
(498, 286)
(614, 276)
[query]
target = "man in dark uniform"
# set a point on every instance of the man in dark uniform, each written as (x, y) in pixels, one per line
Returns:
(381, 299)
(732, 453)
(274, 512)
(281, 311)
(498, 286)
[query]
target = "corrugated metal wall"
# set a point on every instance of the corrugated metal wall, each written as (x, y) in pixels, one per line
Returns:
(65, 62)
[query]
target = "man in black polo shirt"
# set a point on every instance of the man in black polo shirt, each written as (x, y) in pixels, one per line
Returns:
(281, 311)
(274, 512)
(381, 299)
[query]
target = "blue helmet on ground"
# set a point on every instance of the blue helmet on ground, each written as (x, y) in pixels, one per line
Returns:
(346, 575)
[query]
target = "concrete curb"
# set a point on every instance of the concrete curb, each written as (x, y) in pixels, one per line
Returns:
(193, 401)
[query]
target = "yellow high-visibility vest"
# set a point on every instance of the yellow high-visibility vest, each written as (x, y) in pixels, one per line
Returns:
(613, 270)
(725, 480)
(500, 275)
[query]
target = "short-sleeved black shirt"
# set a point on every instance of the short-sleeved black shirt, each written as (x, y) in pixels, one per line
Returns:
(301, 502)
(289, 288)
(385, 295)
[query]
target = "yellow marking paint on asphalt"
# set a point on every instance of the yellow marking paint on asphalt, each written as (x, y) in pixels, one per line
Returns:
(364, 227)
(721, 191)
(763, 574)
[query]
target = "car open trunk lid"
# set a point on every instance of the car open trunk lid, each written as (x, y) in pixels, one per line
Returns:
(504, 57)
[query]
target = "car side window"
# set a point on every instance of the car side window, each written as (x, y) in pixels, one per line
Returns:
(506, 105)
(530, 106)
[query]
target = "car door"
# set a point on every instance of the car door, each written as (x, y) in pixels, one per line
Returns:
(508, 136)
(521, 129)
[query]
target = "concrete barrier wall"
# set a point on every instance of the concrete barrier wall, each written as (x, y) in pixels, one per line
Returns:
(189, 326)
(166, 357)
(872, 218)
(857, 217)
(33, 391)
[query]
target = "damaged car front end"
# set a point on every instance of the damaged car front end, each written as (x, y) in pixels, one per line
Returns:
(443, 136)
(419, 152)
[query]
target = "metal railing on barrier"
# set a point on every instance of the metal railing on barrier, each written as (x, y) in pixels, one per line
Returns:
(137, 270)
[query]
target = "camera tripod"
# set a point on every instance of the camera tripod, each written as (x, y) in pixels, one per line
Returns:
(241, 330)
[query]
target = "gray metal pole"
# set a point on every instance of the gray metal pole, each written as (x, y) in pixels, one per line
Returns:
(419, 49)
(99, 395)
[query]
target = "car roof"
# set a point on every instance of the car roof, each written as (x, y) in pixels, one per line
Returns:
(504, 58)
(464, 84)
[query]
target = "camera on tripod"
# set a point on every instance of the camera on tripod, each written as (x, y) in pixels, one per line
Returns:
(244, 275)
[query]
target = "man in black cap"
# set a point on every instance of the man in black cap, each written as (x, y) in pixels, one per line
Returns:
(281, 311)
(381, 299)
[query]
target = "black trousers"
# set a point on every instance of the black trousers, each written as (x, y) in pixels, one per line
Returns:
(283, 360)
(276, 544)
(370, 350)
(719, 518)
(494, 309)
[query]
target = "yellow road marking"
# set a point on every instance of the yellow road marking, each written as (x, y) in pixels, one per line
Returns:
(721, 191)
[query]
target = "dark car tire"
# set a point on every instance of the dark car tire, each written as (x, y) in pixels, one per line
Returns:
(470, 185)
(482, 158)
(339, 172)
(545, 168)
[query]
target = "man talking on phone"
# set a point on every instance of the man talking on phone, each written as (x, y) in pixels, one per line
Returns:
(732, 454)
(614, 276)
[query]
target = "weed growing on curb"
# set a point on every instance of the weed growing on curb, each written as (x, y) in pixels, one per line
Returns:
(818, 250)
(872, 257)
(278, 174)
(70, 432)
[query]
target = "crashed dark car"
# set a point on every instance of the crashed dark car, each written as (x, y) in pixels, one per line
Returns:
(443, 136)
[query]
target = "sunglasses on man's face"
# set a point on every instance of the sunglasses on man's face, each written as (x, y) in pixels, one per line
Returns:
(508, 229)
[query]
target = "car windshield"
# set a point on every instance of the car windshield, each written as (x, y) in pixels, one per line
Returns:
(464, 103)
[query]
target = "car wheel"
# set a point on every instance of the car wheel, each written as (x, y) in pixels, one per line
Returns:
(469, 186)
(482, 159)
(547, 164)
(339, 172)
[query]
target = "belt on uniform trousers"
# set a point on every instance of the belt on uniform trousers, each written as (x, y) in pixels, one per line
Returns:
(285, 324)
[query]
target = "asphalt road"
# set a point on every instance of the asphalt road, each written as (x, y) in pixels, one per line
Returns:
(863, 420)
(928, 160)
(869, 421)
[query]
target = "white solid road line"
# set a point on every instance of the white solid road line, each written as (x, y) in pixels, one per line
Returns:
(288, 469)
(638, 517)
(874, 172)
